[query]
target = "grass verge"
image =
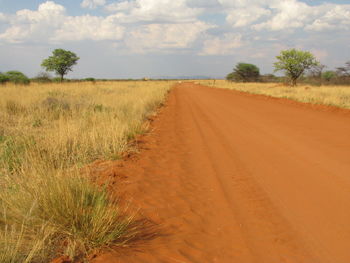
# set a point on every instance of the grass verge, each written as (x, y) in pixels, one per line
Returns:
(338, 96)
(47, 133)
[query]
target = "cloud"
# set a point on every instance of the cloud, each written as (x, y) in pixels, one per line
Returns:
(276, 15)
(92, 4)
(222, 46)
(146, 26)
(2, 17)
(157, 37)
(34, 25)
(245, 16)
(88, 28)
(288, 14)
(337, 17)
(203, 3)
(153, 11)
(51, 23)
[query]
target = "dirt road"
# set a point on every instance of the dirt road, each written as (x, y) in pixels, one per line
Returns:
(240, 178)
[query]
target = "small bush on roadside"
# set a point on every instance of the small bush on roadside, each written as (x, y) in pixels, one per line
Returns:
(73, 211)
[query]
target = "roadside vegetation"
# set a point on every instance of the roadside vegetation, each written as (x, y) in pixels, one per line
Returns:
(297, 65)
(317, 85)
(338, 96)
(48, 132)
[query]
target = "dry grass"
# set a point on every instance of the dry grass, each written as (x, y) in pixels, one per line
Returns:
(48, 132)
(338, 96)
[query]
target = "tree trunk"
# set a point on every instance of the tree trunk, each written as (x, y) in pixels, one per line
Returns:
(294, 82)
(62, 75)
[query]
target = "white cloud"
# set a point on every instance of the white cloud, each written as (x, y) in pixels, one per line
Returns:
(275, 15)
(245, 16)
(336, 17)
(88, 27)
(245, 3)
(241, 13)
(92, 3)
(154, 11)
(34, 25)
(152, 37)
(143, 26)
(222, 46)
(288, 14)
(51, 23)
(2, 17)
(203, 3)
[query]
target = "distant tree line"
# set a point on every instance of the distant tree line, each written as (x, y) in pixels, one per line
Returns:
(296, 65)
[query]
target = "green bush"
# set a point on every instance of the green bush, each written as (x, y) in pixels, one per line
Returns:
(17, 77)
(244, 72)
(3, 78)
(329, 75)
(90, 79)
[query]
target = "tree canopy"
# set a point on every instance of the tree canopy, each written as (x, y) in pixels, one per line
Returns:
(14, 77)
(61, 62)
(244, 72)
(344, 71)
(294, 63)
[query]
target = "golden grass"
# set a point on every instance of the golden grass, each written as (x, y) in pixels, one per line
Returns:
(338, 96)
(48, 132)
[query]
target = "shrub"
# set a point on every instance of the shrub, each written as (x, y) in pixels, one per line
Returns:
(90, 79)
(69, 208)
(3, 78)
(231, 76)
(43, 77)
(244, 72)
(17, 77)
(328, 75)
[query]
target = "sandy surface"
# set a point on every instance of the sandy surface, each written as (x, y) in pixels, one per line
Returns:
(230, 177)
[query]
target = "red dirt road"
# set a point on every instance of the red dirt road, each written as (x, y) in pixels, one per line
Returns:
(232, 177)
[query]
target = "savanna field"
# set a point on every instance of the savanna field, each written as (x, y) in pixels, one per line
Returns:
(48, 132)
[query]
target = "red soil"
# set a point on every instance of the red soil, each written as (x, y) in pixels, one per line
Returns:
(231, 177)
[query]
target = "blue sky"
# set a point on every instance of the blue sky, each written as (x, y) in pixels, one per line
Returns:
(140, 38)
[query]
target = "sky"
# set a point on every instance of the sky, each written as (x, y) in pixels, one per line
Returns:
(154, 38)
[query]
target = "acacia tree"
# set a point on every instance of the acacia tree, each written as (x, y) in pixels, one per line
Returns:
(61, 62)
(294, 63)
(344, 71)
(244, 72)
